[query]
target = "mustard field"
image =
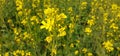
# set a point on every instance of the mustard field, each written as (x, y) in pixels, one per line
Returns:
(59, 28)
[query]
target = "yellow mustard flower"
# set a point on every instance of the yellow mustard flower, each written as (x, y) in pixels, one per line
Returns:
(27, 12)
(114, 6)
(76, 52)
(24, 21)
(26, 35)
(112, 20)
(47, 25)
(9, 21)
(16, 31)
(70, 9)
(18, 40)
(90, 54)
(54, 51)
(59, 17)
(34, 18)
(62, 31)
(7, 54)
(114, 27)
(108, 46)
(71, 26)
(28, 54)
(18, 51)
(49, 11)
(62, 15)
(14, 53)
(84, 50)
(84, 3)
(20, 13)
(22, 52)
(78, 41)
(90, 22)
(88, 30)
(19, 4)
(48, 39)
(118, 15)
(93, 17)
(35, 3)
(105, 15)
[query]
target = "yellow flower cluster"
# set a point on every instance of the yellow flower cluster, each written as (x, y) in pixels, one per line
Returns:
(76, 52)
(114, 27)
(48, 39)
(50, 12)
(26, 13)
(25, 36)
(71, 26)
(52, 19)
(35, 3)
(19, 5)
(70, 9)
(53, 22)
(84, 50)
(24, 21)
(34, 19)
(108, 46)
(88, 30)
(90, 22)
(16, 31)
(90, 54)
(83, 5)
(6, 54)
(62, 31)
(21, 52)
(105, 17)
(48, 24)
(114, 6)
(54, 51)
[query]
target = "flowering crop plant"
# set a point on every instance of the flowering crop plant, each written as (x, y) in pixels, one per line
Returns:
(59, 27)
